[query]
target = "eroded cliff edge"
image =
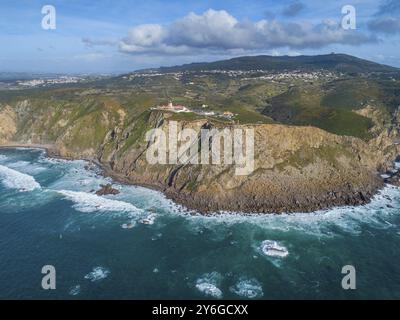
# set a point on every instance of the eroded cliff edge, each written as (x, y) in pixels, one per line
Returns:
(296, 168)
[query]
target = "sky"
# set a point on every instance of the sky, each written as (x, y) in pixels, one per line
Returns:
(117, 36)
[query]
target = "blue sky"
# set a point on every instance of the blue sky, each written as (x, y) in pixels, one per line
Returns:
(105, 36)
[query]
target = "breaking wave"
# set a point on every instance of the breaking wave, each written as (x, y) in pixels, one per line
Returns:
(273, 249)
(378, 213)
(26, 167)
(97, 274)
(87, 202)
(75, 290)
(208, 285)
(248, 288)
(14, 179)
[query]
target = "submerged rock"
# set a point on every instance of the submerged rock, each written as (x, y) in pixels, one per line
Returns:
(107, 189)
(149, 220)
(97, 274)
(128, 225)
(75, 290)
(209, 283)
(394, 179)
(274, 249)
(248, 288)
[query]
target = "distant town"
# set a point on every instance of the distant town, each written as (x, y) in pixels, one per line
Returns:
(44, 82)
(243, 74)
(38, 81)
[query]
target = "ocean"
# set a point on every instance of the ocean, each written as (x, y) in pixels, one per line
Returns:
(140, 245)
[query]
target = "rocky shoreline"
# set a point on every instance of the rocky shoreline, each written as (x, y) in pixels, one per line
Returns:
(345, 197)
(302, 203)
(272, 191)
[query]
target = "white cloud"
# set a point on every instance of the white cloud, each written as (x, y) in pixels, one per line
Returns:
(216, 32)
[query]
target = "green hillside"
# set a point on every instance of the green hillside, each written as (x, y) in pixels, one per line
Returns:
(316, 93)
(333, 62)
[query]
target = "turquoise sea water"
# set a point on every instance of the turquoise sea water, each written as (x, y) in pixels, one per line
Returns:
(49, 216)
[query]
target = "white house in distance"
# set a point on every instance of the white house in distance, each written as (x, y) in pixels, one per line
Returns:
(170, 107)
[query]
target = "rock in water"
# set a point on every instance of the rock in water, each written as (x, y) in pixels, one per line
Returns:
(393, 179)
(273, 249)
(107, 189)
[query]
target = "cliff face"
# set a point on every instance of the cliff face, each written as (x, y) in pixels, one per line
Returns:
(7, 123)
(295, 169)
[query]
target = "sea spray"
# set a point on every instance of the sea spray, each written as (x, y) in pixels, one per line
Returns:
(87, 202)
(14, 179)
(97, 274)
(248, 288)
(208, 284)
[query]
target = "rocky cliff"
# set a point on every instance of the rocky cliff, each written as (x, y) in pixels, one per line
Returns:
(7, 124)
(296, 168)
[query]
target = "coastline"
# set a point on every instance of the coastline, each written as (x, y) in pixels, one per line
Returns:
(204, 206)
(47, 147)
(106, 171)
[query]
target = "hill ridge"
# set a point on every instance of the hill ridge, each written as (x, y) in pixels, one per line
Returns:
(334, 62)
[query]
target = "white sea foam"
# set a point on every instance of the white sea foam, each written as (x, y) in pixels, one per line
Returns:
(149, 220)
(97, 274)
(14, 179)
(273, 249)
(129, 225)
(209, 289)
(76, 177)
(26, 167)
(248, 288)
(321, 223)
(49, 160)
(75, 290)
(150, 200)
(87, 202)
(377, 213)
(2, 158)
(208, 285)
(29, 149)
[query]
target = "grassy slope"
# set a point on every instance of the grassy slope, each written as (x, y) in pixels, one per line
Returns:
(329, 107)
(320, 103)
